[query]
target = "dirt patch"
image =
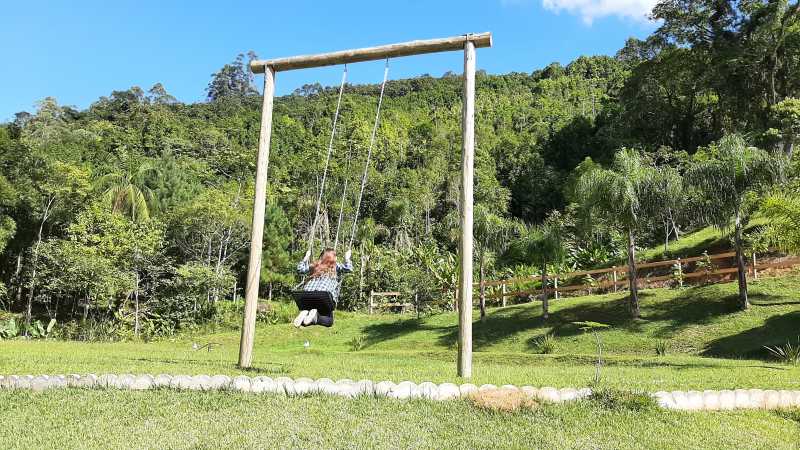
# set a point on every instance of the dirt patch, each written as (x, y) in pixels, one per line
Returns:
(502, 400)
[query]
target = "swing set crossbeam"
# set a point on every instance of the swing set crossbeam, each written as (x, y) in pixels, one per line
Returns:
(480, 40)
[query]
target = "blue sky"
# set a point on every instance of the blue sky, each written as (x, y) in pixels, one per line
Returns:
(78, 50)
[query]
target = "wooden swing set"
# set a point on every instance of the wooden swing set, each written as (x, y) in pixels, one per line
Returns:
(466, 43)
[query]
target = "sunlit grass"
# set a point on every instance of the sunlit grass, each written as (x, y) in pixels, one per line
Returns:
(712, 345)
(170, 419)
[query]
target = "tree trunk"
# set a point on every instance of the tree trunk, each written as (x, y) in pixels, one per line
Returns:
(18, 278)
(363, 258)
(632, 277)
(741, 272)
(788, 147)
(35, 263)
(136, 307)
(482, 301)
(545, 299)
(666, 236)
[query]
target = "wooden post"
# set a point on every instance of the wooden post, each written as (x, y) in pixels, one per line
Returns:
(755, 272)
(257, 233)
(416, 303)
(614, 276)
(503, 293)
(680, 273)
(555, 287)
(370, 301)
(467, 162)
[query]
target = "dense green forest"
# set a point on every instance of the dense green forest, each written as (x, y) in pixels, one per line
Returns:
(132, 216)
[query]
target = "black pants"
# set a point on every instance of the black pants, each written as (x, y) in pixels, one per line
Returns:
(321, 301)
(325, 320)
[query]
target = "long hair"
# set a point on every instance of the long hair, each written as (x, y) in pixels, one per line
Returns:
(325, 265)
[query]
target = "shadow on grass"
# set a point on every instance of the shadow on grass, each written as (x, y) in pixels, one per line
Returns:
(270, 368)
(276, 369)
(387, 331)
(664, 317)
(698, 305)
(777, 330)
(502, 324)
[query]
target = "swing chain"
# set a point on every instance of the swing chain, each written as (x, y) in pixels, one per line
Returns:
(327, 161)
(369, 155)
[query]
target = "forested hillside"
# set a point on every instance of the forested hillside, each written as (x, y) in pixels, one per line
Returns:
(134, 213)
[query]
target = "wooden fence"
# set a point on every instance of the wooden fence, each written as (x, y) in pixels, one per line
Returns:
(615, 278)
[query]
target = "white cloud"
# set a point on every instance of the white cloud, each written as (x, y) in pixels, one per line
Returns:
(589, 10)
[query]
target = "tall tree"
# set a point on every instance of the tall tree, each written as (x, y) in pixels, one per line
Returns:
(233, 80)
(544, 245)
(127, 192)
(786, 115)
(618, 196)
(727, 176)
(490, 236)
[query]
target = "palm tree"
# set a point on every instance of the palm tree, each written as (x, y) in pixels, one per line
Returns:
(725, 178)
(127, 191)
(544, 244)
(620, 196)
(490, 232)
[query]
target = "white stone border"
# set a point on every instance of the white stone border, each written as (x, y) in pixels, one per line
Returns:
(678, 400)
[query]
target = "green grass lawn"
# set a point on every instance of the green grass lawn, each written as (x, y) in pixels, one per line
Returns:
(711, 345)
(170, 419)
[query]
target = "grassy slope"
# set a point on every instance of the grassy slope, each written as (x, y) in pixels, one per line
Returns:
(708, 239)
(711, 345)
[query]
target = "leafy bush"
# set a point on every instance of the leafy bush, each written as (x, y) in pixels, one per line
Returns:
(788, 353)
(90, 330)
(545, 344)
(622, 400)
(9, 329)
(661, 347)
(277, 312)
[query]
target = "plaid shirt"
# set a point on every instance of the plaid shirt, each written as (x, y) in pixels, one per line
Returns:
(327, 281)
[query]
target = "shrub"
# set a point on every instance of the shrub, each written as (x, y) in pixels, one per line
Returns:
(91, 330)
(502, 400)
(621, 400)
(357, 343)
(661, 347)
(9, 329)
(545, 344)
(788, 353)
(277, 312)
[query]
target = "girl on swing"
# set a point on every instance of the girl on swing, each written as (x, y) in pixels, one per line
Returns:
(324, 275)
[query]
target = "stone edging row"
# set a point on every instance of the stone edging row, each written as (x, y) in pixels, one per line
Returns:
(691, 400)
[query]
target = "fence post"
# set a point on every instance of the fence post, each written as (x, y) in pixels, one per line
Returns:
(503, 293)
(555, 287)
(370, 301)
(680, 273)
(614, 277)
(416, 303)
(755, 272)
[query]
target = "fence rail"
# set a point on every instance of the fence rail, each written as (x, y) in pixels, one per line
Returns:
(616, 277)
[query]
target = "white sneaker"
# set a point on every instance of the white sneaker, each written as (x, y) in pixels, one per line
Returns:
(311, 318)
(298, 321)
